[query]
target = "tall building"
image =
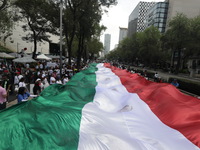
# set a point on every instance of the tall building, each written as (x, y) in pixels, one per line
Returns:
(16, 42)
(190, 8)
(122, 33)
(157, 16)
(137, 18)
(107, 39)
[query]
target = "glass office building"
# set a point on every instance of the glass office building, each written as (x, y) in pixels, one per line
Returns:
(138, 16)
(157, 16)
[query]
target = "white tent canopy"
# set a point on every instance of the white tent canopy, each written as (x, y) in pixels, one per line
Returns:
(24, 60)
(55, 56)
(4, 55)
(43, 57)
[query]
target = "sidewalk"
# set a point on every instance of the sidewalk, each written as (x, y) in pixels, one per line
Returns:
(11, 103)
(14, 102)
(166, 75)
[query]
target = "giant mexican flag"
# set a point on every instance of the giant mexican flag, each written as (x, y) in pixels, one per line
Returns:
(104, 108)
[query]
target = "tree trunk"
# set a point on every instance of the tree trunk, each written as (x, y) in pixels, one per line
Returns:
(80, 49)
(35, 48)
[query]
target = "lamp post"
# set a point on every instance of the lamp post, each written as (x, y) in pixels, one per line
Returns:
(61, 11)
(17, 47)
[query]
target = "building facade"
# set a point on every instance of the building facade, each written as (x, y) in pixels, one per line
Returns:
(190, 8)
(16, 41)
(157, 16)
(107, 39)
(137, 18)
(122, 33)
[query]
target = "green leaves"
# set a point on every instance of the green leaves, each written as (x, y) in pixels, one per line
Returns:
(145, 46)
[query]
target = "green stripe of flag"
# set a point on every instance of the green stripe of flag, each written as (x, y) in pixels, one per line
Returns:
(52, 120)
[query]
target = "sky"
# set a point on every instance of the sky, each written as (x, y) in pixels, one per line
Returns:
(117, 16)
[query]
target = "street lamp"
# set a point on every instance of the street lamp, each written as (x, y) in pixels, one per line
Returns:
(18, 48)
(61, 11)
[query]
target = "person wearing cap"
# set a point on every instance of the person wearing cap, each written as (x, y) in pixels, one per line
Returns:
(3, 95)
(37, 88)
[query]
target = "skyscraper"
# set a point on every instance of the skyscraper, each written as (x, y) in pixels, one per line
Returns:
(107, 39)
(138, 16)
(157, 16)
(122, 33)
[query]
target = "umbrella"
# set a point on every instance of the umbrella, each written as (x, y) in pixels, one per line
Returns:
(4, 55)
(55, 56)
(24, 60)
(44, 57)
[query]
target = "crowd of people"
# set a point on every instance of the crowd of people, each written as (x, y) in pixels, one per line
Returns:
(17, 78)
(156, 77)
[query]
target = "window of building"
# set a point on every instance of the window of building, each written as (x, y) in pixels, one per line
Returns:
(161, 15)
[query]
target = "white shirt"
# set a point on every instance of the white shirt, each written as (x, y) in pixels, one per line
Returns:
(20, 76)
(65, 80)
(156, 75)
(52, 80)
(22, 84)
(59, 82)
(16, 80)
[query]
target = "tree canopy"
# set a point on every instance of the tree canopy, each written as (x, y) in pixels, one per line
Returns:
(152, 48)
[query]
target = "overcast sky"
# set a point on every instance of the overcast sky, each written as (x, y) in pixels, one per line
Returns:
(117, 16)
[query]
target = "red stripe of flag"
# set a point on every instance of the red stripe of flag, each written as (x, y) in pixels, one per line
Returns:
(173, 108)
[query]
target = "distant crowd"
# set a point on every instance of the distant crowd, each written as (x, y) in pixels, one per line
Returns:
(17, 79)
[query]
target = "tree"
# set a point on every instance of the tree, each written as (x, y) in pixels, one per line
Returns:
(178, 35)
(142, 46)
(150, 45)
(36, 15)
(194, 45)
(80, 19)
(94, 46)
(89, 16)
(5, 20)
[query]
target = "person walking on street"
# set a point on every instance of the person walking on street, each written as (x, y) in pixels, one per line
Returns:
(3, 95)
(156, 77)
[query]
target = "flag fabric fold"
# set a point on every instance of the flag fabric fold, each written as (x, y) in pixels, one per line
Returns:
(104, 108)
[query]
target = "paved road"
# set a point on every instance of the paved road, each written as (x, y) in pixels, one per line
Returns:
(166, 76)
